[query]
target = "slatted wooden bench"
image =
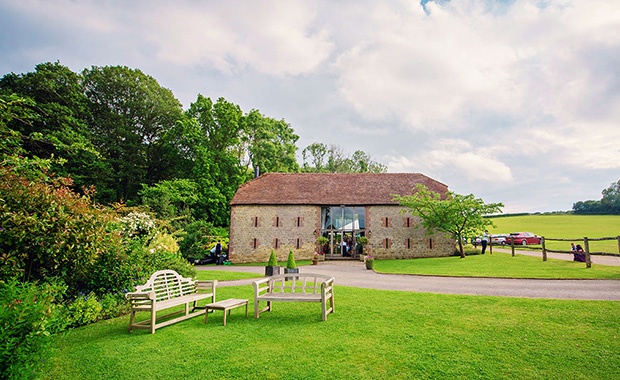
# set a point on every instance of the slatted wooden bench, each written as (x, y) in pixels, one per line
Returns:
(303, 287)
(166, 289)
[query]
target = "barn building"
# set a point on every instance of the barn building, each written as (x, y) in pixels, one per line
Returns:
(289, 211)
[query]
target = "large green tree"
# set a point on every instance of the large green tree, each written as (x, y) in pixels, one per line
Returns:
(130, 113)
(269, 144)
(458, 215)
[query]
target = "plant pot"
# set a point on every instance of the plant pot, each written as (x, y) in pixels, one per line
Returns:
(369, 264)
(272, 271)
(315, 262)
(287, 270)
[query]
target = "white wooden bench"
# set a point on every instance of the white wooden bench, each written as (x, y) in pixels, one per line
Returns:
(304, 287)
(166, 289)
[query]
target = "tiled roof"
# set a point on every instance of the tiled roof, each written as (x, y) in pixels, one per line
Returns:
(331, 188)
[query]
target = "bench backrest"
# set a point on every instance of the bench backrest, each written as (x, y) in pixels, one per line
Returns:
(168, 284)
(298, 282)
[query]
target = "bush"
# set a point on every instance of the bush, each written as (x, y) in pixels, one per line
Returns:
(290, 263)
(83, 310)
(28, 317)
(273, 260)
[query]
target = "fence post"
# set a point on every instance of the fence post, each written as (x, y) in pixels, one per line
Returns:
(512, 245)
(618, 244)
(586, 246)
(544, 250)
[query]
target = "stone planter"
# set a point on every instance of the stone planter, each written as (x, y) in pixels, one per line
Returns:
(369, 264)
(315, 262)
(271, 271)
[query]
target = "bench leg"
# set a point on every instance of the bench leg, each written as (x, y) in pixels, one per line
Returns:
(132, 317)
(256, 312)
(225, 316)
(153, 319)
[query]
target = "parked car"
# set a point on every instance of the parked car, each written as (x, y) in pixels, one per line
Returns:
(500, 239)
(524, 238)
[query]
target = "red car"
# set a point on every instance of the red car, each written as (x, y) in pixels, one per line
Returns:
(524, 238)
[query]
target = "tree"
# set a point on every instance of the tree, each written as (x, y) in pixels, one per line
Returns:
(458, 215)
(320, 158)
(269, 144)
(130, 114)
(611, 198)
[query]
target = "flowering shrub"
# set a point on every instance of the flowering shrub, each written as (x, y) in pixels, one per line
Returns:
(28, 315)
(137, 224)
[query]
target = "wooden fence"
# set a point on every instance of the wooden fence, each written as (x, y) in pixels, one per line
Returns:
(586, 247)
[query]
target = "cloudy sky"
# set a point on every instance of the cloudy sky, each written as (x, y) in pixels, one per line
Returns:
(515, 101)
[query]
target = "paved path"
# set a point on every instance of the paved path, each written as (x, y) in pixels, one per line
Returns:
(354, 273)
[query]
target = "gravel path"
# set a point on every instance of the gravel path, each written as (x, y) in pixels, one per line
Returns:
(354, 273)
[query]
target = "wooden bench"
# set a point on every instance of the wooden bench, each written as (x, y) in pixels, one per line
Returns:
(304, 287)
(166, 289)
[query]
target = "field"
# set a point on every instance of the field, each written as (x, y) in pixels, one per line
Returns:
(564, 227)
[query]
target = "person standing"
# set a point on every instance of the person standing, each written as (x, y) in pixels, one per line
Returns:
(484, 241)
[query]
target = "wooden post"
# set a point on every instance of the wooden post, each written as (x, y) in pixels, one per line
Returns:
(512, 245)
(618, 244)
(490, 245)
(544, 250)
(586, 246)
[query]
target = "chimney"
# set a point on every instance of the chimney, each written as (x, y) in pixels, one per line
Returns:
(256, 171)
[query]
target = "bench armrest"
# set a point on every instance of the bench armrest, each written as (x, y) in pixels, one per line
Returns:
(257, 286)
(140, 296)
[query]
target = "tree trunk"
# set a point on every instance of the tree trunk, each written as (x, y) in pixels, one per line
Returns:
(461, 247)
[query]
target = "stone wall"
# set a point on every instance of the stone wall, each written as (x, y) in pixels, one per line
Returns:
(396, 236)
(257, 230)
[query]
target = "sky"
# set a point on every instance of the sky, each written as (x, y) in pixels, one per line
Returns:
(514, 101)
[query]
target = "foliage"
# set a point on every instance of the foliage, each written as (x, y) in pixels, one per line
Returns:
(28, 315)
(129, 115)
(137, 224)
(173, 200)
(199, 237)
(362, 240)
(460, 216)
(609, 203)
(83, 310)
(320, 158)
(290, 263)
(47, 229)
(269, 144)
(322, 240)
(273, 261)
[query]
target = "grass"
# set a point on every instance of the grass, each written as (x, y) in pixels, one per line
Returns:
(224, 275)
(564, 227)
(499, 264)
(374, 334)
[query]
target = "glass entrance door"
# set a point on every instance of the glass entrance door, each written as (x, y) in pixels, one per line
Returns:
(342, 226)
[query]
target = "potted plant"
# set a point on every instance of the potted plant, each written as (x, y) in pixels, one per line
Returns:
(291, 266)
(361, 241)
(272, 267)
(315, 259)
(370, 261)
(321, 241)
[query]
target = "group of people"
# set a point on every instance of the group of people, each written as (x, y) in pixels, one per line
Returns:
(578, 253)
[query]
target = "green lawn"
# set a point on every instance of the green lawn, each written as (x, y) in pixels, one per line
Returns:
(498, 264)
(374, 334)
(224, 275)
(564, 227)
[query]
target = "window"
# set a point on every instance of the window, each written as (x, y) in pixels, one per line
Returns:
(276, 221)
(298, 221)
(386, 222)
(298, 243)
(387, 243)
(407, 222)
(254, 243)
(255, 221)
(430, 243)
(277, 243)
(408, 243)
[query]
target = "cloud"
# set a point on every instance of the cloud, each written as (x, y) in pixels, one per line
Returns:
(455, 159)
(528, 61)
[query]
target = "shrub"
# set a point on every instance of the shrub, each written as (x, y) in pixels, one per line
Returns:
(83, 310)
(28, 317)
(273, 261)
(290, 263)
